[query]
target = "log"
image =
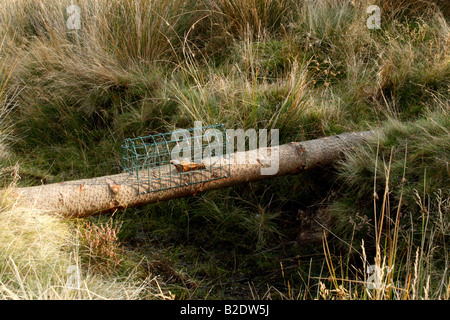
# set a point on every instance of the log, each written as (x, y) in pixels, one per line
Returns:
(85, 197)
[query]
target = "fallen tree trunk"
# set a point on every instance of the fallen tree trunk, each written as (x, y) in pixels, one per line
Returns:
(80, 198)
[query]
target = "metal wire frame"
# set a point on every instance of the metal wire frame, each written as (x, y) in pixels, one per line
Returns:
(149, 158)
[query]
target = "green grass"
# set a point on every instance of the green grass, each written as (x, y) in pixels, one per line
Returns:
(394, 195)
(310, 69)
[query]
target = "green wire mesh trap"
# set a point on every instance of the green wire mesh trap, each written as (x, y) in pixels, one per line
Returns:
(179, 158)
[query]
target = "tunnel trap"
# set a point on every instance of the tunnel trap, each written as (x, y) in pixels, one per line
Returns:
(175, 159)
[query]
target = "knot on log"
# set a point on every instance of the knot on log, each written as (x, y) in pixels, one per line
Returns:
(113, 186)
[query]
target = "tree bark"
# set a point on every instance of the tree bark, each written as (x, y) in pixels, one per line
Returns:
(81, 198)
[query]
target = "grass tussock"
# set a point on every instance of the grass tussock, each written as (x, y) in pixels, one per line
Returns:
(413, 157)
(69, 97)
(400, 210)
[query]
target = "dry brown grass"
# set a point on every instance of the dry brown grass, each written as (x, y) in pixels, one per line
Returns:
(101, 246)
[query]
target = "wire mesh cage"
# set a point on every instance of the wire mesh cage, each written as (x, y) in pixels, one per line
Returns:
(179, 158)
